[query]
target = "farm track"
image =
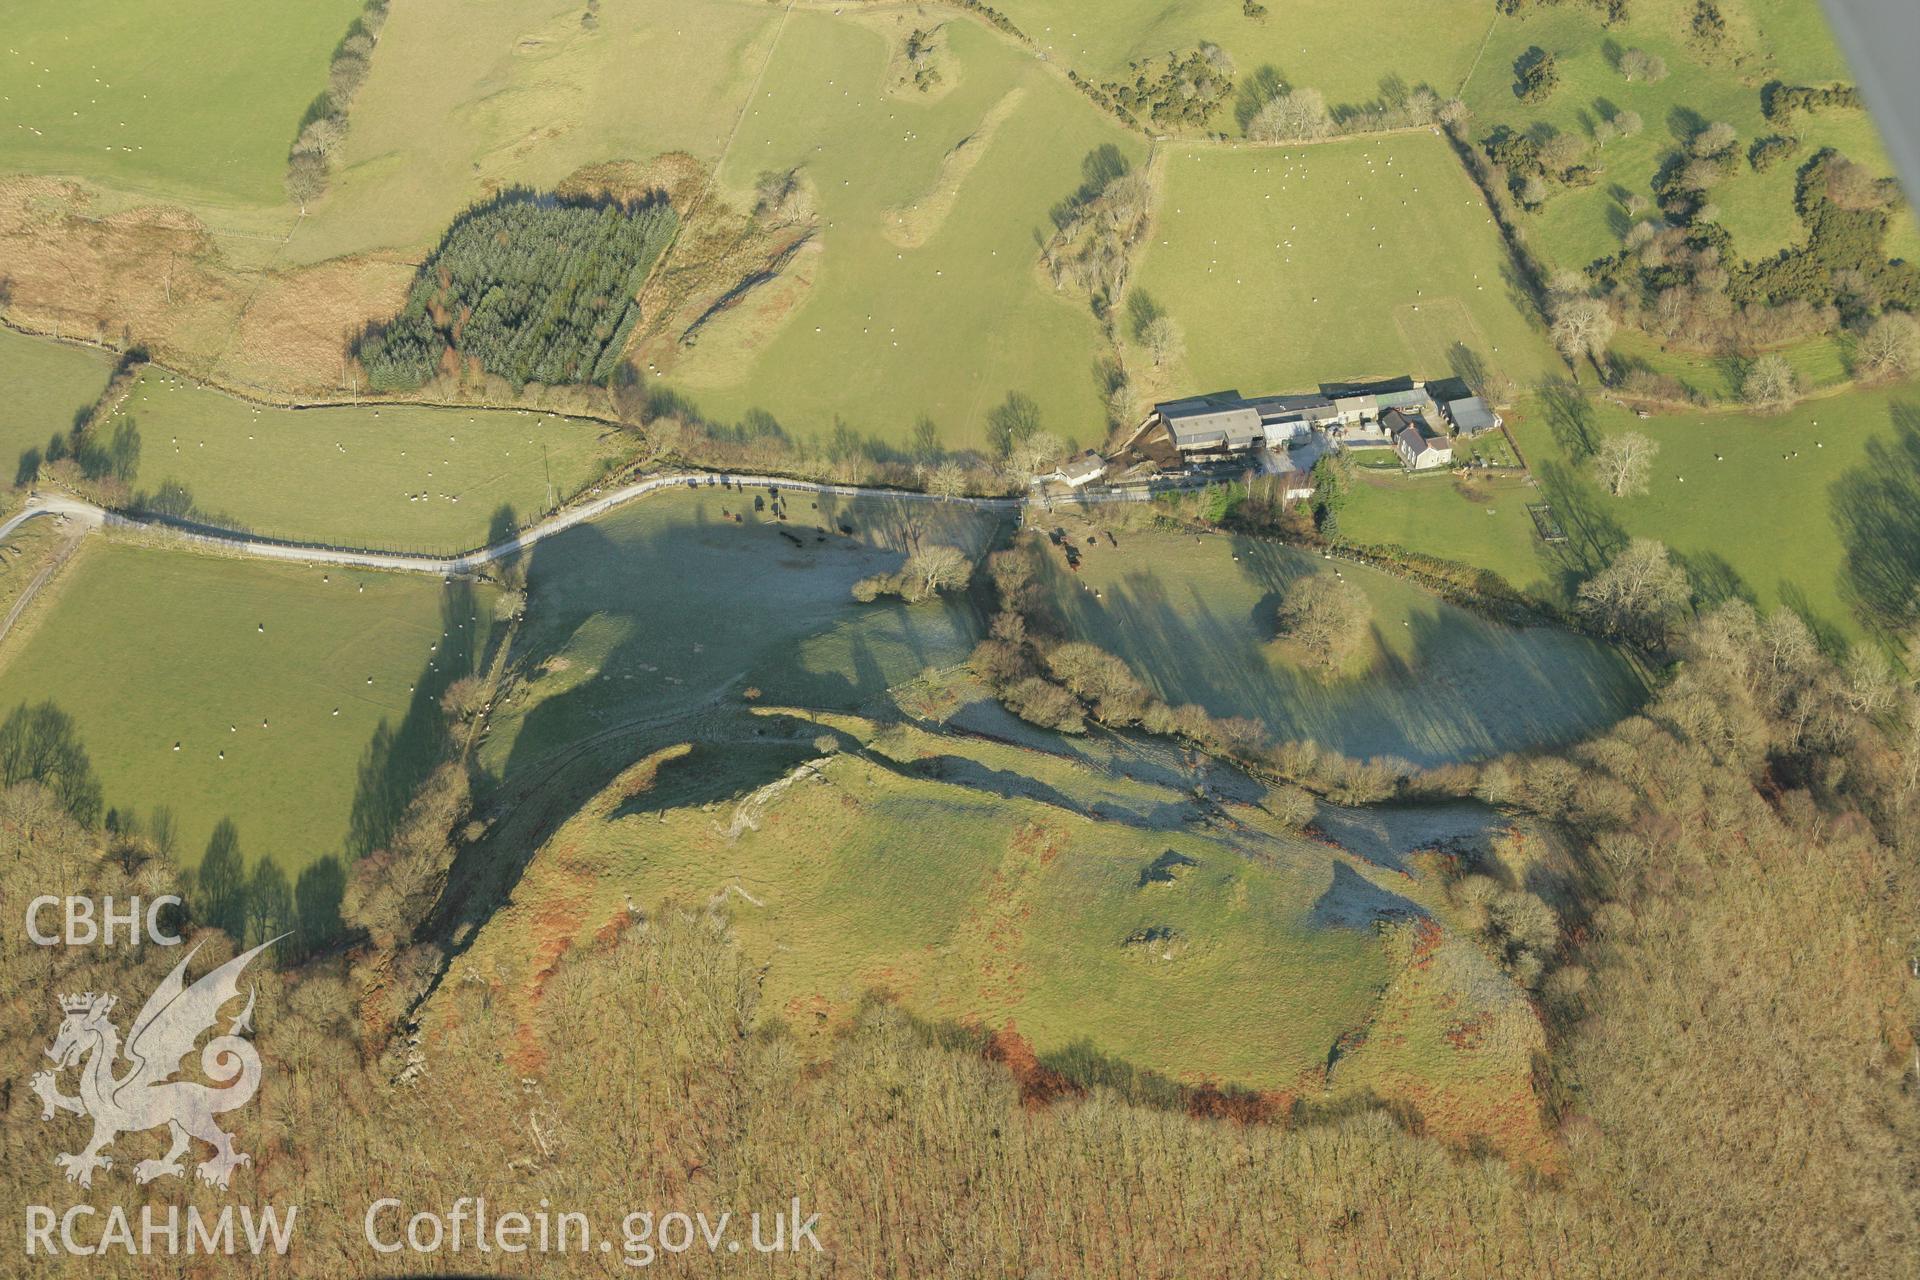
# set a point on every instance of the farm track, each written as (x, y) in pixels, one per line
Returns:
(40, 579)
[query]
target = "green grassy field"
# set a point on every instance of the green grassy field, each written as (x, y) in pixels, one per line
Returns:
(197, 101)
(944, 322)
(1777, 516)
(1287, 268)
(399, 477)
(470, 96)
(326, 718)
(1483, 522)
(1195, 619)
(47, 384)
(1343, 49)
(667, 606)
(973, 882)
(1786, 39)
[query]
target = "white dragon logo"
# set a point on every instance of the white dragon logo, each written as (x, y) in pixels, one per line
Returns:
(145, 1097)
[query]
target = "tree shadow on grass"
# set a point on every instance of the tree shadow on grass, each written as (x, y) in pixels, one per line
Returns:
(1594, 536)
(1683, 123)
(1256, 90)
(398, 759)
(1468, 366)
(1876, 508)
(1569, 415)
(504, 526)
(1451, 686)
(1619, 222)
(1385, 834)
(1352, 901)
(1714, 581)
(1831, 639)
(1005, 784)
(712, 772)
(654, 628)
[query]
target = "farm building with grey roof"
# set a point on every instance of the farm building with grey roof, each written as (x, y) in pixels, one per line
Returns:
(1207, 424)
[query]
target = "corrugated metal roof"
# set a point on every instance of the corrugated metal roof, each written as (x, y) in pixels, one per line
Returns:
(1202, 427)
(1470, 414)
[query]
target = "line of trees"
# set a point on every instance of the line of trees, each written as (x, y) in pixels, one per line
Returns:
(92, 453)
(40, 749)
(324, 126)
(1049, 679)
(1097, 228)
(1270, 109)
(1781, 102)
(39, 744)
(677, 430)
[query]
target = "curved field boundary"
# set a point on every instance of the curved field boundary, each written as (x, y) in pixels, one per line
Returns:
(914, 224)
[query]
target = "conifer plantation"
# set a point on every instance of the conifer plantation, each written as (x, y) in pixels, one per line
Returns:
(526, 287)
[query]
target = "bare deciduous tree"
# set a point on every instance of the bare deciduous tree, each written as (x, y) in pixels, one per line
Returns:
(1639, 595)
(1162, 339)
(1890, 348)
(1713, 140)
(1582, 327)
(1622, 463)
(936, 569)
(1770, 384)
(306, 178)
(1295, 116)
(1327, 617)
(1638, 64)
(927, 572)
(1036, 454)
(947, 480)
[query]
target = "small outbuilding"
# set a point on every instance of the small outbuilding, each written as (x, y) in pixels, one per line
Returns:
(1081, 469)
(1472, 415)
(1355, 408)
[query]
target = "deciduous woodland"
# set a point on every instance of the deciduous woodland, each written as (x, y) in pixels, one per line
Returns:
(1730, 1002)
(1105, 638)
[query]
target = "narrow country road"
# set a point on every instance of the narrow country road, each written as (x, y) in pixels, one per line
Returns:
(43, 504)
